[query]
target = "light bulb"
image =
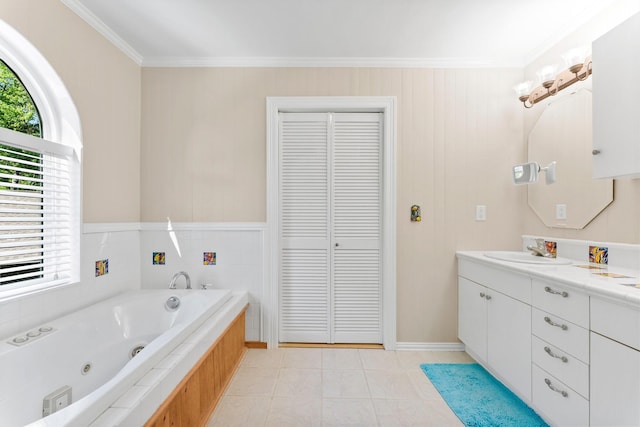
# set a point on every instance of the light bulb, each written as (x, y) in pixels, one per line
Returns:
(523, 89)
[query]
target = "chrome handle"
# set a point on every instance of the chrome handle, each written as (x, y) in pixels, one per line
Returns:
(488, 297)
(552, 323)
(595, 152)
(557, 390)
(553, 291)
(482, 295)
(552, 354)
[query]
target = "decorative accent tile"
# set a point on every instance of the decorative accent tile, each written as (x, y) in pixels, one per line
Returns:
(209, 258)
(552, 248)
(599, 254)
(416, 214)
(159, 258)
(102, 267)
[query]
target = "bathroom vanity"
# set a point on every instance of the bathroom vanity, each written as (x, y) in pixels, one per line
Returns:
(563, 337)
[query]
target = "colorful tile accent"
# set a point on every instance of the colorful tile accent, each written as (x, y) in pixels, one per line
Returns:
(552, 248)
(102, 267)
(416, 214)
(159, 258)
(599, 254)
(209, 258)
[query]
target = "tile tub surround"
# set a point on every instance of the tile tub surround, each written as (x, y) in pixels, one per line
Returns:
(332, 386)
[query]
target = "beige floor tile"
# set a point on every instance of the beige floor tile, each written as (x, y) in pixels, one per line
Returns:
(259, 358)
(240, 411)
(344, 384)
(423, 413)
(295, 412)
(304, 358)
(341, 358)
(423, 386)
(348, 412)
(378, 359)
(253, 382)
(391, 385)
(293, 382)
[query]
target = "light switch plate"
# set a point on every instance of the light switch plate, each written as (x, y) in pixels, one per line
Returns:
(481, 213)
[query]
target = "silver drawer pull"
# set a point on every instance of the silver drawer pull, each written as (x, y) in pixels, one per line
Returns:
(488, 297)
(552, 323)
(557, 390)
(482, 295)
(552, 354)
(564, 294)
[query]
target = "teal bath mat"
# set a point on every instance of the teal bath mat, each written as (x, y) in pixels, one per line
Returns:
(477, 398)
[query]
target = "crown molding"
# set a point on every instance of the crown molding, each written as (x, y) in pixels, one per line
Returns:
(91, 19)
(335, 62)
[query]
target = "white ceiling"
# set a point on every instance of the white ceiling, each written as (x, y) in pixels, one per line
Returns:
(335, 32)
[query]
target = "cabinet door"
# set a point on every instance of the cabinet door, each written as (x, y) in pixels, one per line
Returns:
(616, 90)
(615, 383)
(509, 341)
(472, 316)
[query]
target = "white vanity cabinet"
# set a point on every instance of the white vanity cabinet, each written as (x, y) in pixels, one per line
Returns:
(560, 353)
(494, 322)
(615, 364)
(616, 90)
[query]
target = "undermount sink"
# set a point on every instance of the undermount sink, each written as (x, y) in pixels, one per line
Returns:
(525, 258)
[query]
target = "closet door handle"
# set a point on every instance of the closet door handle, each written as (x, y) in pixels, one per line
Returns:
(552, 354)
(552, 323)
(564, 294)
(337, 244)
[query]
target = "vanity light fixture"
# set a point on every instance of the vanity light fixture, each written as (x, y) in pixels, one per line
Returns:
(579, 69)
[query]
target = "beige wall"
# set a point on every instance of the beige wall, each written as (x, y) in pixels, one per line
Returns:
(105, 86)
(620, 222)
(459, 132)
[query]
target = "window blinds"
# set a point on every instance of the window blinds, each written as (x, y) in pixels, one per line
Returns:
(35, 210)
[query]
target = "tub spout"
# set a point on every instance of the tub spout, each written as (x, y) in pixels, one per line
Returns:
(172, 283)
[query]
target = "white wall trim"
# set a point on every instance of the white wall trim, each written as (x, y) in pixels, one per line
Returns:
(384, 104)
(91, 19)
(312, 62)
(430, 346)
(205, 226)
(112, 227)
(109, 227)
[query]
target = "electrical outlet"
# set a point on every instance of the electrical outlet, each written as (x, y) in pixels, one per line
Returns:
(481, 213)
(561, 211)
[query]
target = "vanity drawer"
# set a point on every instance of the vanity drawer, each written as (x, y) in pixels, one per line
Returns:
(565, 302)
(561, 365)
(557, 402)
(616, 321)
(561, 333)
(516, 286)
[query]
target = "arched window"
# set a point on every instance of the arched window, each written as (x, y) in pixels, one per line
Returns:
(17, 110)
(39, 172)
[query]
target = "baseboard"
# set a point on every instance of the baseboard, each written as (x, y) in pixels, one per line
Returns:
(255, 344)
(430, 346)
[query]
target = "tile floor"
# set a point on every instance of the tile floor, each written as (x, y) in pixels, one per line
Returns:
(335, 387)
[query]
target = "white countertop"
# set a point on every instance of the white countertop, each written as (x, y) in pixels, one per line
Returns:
(571, 275)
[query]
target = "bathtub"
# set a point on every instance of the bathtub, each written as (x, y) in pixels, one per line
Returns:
(103, 351)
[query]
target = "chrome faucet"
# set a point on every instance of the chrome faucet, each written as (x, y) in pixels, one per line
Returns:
(540, 249)
(172, 283)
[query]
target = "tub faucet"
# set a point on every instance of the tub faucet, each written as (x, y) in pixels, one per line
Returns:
(172, 283)
(540, 249)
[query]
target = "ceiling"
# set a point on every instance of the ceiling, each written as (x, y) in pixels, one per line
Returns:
(335, 32)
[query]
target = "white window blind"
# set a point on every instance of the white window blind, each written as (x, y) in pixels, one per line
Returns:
(36, 217)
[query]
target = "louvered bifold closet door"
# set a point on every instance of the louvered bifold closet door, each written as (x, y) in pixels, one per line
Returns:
(304, 228)
(356, 217)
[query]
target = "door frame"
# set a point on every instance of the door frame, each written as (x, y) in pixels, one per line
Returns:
(338, 104)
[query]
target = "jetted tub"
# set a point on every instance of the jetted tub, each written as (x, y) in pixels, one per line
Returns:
(100, 352)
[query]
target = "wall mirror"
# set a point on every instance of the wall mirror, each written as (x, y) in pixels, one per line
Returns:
(563, 133)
